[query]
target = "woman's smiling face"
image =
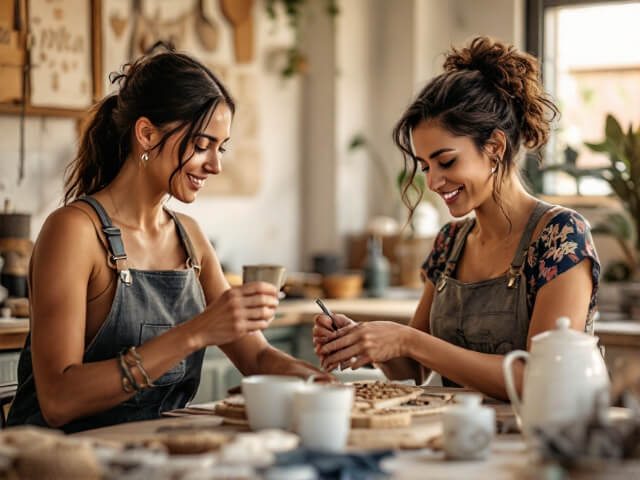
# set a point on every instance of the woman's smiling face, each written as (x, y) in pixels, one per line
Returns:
(454, 167)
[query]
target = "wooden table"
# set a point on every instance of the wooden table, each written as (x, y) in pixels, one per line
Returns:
(511, 457)
(13, 333)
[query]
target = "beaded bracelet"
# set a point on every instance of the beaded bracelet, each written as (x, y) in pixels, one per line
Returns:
(128, 381)
(138, 363)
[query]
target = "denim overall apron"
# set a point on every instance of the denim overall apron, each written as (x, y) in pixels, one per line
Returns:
(489, 316)
(146, 304)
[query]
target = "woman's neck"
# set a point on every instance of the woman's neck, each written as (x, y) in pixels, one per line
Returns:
(499, 221)
(135, 201)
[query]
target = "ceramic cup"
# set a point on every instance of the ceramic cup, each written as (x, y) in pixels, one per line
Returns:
(273, 274)
(322, 416)
(468, 428)
(269, 400)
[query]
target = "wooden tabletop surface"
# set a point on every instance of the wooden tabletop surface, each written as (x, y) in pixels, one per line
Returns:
(510, 458)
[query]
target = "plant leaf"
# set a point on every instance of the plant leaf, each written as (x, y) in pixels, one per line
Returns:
(613, 130)
(356, 142)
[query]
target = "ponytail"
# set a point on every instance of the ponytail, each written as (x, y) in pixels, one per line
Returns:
(98, 160)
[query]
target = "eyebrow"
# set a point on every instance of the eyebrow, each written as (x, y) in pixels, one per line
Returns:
(440, 151)
(210, 137)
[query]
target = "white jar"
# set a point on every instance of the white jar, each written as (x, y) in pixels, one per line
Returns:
(468, 428)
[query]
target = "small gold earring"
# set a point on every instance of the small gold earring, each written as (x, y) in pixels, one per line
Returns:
(145, 158)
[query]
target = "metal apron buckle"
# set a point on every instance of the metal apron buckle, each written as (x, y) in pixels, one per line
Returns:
(125, 276)
(514, 275)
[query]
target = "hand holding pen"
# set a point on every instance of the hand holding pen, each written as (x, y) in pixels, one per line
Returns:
(325, 328)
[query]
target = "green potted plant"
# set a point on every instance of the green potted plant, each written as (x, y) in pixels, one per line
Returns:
(623, 176)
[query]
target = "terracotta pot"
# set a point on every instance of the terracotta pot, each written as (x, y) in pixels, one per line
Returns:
(343, 285)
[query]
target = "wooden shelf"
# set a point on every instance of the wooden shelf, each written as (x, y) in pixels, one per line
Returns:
(15, 109)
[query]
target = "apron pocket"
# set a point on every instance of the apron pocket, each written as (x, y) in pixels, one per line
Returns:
(148, 331)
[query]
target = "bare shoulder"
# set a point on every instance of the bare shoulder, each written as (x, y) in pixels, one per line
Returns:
(67, 241)
(68, 221)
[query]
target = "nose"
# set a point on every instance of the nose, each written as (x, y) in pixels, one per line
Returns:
(435, 179)
(213, 166)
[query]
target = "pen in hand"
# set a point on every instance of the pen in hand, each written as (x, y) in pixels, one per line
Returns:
(328, 313)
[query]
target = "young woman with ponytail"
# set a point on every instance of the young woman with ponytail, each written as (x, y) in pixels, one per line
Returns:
(126, 294)
(496, 279)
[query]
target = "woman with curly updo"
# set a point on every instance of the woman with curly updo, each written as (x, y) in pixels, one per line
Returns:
(502, 275)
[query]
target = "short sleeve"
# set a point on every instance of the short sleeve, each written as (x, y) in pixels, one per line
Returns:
(563, 243)
(435, 264)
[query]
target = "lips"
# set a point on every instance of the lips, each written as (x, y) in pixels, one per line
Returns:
(452, 196)
(196, 182)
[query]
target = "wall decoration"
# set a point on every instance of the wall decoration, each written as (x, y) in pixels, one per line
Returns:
(61, 60)
(199, 27)
(61, 73)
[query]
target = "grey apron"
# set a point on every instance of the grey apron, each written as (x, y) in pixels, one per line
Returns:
(146, 304)
(490, 316)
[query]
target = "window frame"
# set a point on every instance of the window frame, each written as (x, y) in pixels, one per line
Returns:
(534, 45)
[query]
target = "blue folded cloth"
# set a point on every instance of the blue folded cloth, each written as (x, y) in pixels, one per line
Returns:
(337, 466)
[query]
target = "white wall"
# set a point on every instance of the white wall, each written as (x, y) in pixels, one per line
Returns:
(364, 71)
(260, 228)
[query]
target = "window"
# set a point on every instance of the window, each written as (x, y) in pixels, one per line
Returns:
(590, 54)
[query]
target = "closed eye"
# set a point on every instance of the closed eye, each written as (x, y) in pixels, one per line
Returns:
(425, 168)
(449, 163)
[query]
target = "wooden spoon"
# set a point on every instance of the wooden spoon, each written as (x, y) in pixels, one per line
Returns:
(206, 30)
(238, 12)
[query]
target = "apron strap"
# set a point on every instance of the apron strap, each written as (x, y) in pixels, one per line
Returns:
(192, 260)
(458, 245)
(118, 256)
(523, 247)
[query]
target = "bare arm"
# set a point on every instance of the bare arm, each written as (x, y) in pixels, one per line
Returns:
(402, 368)
(66, 387)
(251, 354)
(566, 295)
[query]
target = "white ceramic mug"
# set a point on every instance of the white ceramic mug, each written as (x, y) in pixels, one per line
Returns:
(269, 400)
(322, 416)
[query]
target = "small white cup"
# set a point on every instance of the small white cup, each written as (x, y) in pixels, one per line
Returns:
(322, 416)
(269, 400)
(468, 428)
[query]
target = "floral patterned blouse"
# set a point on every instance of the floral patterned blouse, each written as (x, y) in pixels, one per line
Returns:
(563, 243)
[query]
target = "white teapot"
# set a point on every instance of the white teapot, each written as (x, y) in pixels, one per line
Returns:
(564, 375)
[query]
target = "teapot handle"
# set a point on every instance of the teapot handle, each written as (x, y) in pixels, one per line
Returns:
(508, 377)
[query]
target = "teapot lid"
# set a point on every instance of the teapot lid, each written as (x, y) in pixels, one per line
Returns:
(562, 334)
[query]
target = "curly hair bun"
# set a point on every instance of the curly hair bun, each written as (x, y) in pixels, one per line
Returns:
(516, 76)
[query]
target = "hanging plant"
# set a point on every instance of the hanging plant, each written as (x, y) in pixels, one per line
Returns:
(296, 60)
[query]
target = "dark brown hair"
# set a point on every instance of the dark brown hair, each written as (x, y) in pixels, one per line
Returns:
(486, 86)
(166, 87)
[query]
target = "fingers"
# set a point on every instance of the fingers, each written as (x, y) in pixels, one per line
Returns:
(255, 325)
(260, 300)
(260, 313)
(340, 356)
(345, 339)
(343, 321)
(361, 361)
(324, 322)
